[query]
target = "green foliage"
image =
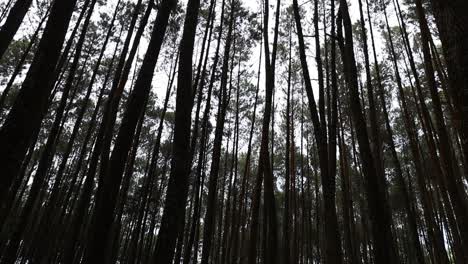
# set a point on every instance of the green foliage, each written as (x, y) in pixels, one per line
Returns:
(13, 55)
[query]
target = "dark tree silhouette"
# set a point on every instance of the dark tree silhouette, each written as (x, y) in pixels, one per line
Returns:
(12, 23)
(25, 116)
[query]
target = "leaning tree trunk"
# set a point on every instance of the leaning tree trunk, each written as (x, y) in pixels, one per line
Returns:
(12, 23)
(78, 213)
(452, 21)
(49, 148)
(102, 216)
(446, 152)
(104, 133)
(27, 112)
(434, 231)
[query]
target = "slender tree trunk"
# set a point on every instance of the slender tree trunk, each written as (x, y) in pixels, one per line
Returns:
(106, 200)
(61, 169)
(434, 231)
(134, 236)
(203, 140)
(55, 131)
(234, 228)
(5, 9)
(176, 194)
(65, 57)
(318, 60)
(264, 166)
(287, 159)
(446, 152)
(210, 216)
(452, 24)
(105, 131)
(375, 139)
(78, 214)
(332, 241)
(348, 217)
(118, 86)
(246, 171)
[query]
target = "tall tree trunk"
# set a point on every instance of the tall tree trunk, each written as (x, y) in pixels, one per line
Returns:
(27, 112)
(246, 169)
(120, 80)
(352, 248)
(8, 200)
(135, 234)
(176, 194)
(446, 152)
(55, 131)
(378, 205)
(264, 166)
(452, 23)
(448, 171)
(202, 147)
(234, 228)
(332, 237)
(375, 139)
(410, 214)
(318, 60)
(78, 122)
(210, 216)
(287, 159)
(435, 234)
(102, 216)
(105, 130)
(77, 215)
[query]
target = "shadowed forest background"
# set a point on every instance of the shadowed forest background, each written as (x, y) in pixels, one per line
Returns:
(234, 131)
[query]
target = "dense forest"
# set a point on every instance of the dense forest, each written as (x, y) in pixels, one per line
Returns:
(234, 131)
